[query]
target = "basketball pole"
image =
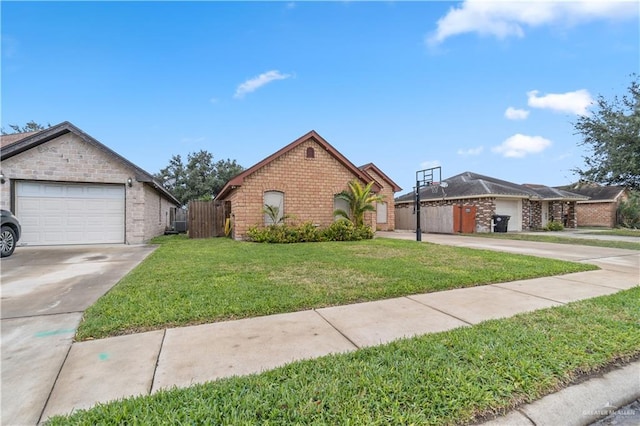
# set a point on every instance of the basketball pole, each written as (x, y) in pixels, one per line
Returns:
(424, 178)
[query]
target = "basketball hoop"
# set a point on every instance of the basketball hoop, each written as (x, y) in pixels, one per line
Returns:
(425, 178)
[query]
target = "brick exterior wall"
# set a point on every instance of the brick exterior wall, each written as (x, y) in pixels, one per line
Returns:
(68, 158)
(564, 213)
(309, 186)
(531, 212)
(597, 214)
(535, 215)
(387, 193)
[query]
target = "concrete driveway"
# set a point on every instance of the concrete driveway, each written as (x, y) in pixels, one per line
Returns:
(44, 292)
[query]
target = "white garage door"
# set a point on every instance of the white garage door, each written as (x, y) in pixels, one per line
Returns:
(61, 213)
(511, 208)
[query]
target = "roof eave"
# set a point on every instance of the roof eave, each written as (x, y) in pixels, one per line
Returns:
(65, 127)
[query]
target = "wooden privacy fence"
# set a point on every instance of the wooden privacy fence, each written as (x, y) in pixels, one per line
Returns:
(439, 219)
(207, 218)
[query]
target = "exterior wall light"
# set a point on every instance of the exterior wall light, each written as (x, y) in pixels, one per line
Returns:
(2, 179)
(130, 182)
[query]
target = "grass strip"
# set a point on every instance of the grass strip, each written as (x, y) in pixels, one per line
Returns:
(188, 282)
(546, 238)
(453, 377)
(622, 232)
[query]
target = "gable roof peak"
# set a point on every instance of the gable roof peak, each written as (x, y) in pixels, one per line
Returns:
(312, 134)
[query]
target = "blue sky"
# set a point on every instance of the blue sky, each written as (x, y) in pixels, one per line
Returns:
(491, 88)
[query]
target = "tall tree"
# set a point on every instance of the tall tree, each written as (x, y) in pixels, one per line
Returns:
(360, 200)
(31, 126)
(225, 170)
(200, 179)
(174, 178)
(612, 134)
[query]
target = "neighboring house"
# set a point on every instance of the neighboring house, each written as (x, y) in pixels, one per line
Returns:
(477, 198)
(302, 180)
(601, 209)
(65, 187)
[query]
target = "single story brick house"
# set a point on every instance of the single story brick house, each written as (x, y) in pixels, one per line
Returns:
(601, 209)
(530, 207)
(65, 187)
(302, 180)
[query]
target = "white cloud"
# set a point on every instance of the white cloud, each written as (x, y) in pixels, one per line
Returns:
(471, 151)
(213, 100)
(255, 83)
(576, 102)
(516, 114)
(505, 18)
(519, 145)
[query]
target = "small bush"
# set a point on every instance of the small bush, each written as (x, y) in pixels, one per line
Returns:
(341, 230)
(554, 226)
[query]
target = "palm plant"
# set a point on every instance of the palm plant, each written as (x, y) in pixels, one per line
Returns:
(273, 212)
(360, 200)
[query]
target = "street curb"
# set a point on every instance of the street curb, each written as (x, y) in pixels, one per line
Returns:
(580, 404)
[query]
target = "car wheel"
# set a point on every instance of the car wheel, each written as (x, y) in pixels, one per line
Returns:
(7, 241)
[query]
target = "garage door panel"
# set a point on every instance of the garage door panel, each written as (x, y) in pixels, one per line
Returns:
(511, 208)
(53, 213)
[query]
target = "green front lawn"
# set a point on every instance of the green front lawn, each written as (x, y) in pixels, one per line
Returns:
(448, 378)
(196, 281)
(553, 237)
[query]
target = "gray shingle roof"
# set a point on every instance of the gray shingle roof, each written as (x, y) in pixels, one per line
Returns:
(596, 192)
(31, 140)
(473, 185)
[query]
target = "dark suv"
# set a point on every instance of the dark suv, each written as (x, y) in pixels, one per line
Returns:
(10, 233)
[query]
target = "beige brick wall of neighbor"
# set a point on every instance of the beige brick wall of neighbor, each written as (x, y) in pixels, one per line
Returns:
(70, 159)
(156, 213)
(596, 214)
(309, 186)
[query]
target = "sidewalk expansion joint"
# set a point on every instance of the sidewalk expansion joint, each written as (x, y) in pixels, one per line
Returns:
(336, 329)
(155, 369)
(439, 310)
(497, 285)
(53, 386)
(527, 417)
(574, 280)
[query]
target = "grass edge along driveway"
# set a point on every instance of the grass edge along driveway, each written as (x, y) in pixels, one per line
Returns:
(186, 282)
(454, 377)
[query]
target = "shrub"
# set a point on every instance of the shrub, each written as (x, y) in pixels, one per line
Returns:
(554, 226)
(341, 230)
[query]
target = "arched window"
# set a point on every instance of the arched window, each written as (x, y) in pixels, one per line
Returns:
(274, 205)
(311, 153)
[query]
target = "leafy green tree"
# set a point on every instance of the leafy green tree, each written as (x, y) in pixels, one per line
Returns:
(629, 211)
(225, 170)
(31, 126)
(200, 179)
(612, 133)
(360, 200)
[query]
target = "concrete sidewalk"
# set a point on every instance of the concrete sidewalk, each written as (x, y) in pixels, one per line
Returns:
(118, 367)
